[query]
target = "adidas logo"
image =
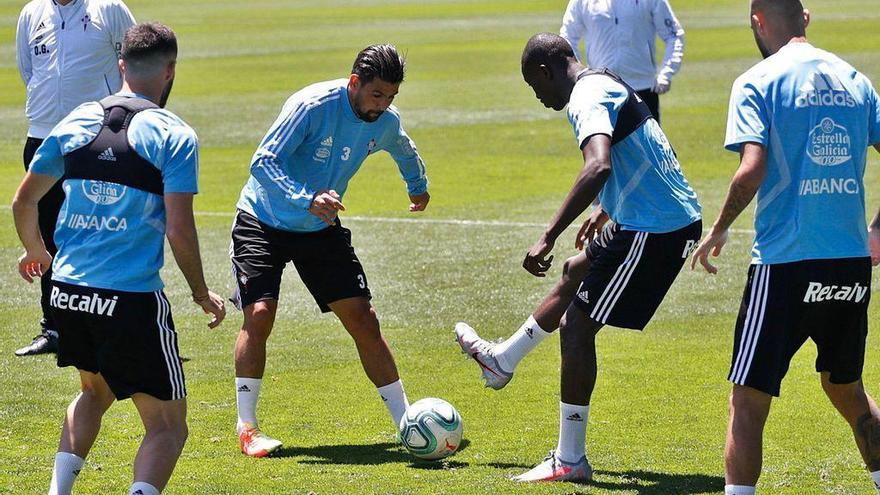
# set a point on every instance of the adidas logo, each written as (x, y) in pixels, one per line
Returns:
(41, 26)
(530, 332)
(328, 141)
(575, 417)
(139, 492)
(244, 388)
(584, 296)
(107, 155)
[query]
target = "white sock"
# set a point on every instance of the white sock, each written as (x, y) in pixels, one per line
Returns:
(572, 431)
(247, 391)
(141, 488)
(739, 490)
(395, 400)
(67, 466)
(510, 352)
(876, 477)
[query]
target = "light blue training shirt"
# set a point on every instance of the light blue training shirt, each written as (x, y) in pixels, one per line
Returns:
(647, 190)
(816, 116)
(319, 143)
(108, 235)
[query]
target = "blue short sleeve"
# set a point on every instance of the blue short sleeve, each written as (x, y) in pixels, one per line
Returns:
(874, 117)
(747, 119)
(180, 172)
(594, 106)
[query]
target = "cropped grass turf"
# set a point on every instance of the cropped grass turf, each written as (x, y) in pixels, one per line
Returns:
(493, 154)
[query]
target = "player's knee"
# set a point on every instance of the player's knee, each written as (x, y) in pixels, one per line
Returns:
(364, 325)
(567, 268)
(172, 435)
(749, 407)
(259, 320)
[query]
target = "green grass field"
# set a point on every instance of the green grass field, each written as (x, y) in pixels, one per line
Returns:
(495, 156)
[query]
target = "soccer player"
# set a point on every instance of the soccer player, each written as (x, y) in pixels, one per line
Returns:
(655, 221)
(67, 53)
(129, 169)
(802, 121)
(288, 212)
(620, 35)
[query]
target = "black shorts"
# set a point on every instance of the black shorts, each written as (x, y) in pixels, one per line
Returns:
(631, 272)
(325, 261)
(127, 337)
(784, 304)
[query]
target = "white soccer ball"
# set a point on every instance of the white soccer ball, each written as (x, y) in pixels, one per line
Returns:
(431, 429)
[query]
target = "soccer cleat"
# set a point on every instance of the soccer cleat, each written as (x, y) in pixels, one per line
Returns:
(555, 469)
(42, 344)
(255, 443)
(483, 352)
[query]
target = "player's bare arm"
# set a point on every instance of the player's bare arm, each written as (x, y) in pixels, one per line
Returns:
(874, 232)
(745, 184)
(184, 241)
(597, 168)
(36, 258)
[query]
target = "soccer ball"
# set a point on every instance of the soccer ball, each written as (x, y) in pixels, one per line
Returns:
(431, 429)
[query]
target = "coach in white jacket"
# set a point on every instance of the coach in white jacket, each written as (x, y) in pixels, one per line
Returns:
(67, 53)
(620, 36)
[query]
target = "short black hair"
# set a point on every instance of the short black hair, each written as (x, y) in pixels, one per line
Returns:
(146, 43)
(548, 49)
(788, 13)
(380, 61)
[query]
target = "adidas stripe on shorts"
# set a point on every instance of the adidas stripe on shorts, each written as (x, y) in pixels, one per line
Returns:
(785, 304)
(631, 272)
(127, 337)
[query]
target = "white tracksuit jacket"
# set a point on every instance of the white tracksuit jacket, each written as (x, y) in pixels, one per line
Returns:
(67, 55)
(620, 35)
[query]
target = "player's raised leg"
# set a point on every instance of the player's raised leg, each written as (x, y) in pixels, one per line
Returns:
(359, 318)
(82, 422)
(861, 412)
(164, 437)
(250, 363)
(499, 361)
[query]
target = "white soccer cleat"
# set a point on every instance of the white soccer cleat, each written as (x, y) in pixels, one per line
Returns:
(255, 443)
(555, 469)
(483, 352)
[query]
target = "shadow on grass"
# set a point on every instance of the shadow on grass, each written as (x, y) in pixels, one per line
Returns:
(650, 483)
(366, 454)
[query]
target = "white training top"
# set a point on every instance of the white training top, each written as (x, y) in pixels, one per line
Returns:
(620, 35)
(68, 55)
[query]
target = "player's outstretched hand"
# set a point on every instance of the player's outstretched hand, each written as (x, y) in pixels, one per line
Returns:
(874, 242)
(32, 265)
(212, 304)
(712, 243)
(325, 205)
(592, 226)
(418, 202)
(537, 262)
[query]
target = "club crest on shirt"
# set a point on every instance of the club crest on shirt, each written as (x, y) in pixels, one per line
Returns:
(829, 144)
(371, 146)
(86, 20)
(103, 193)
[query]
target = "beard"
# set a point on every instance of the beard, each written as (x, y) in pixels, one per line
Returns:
(365, 116)
(765, 52)
(163, 99)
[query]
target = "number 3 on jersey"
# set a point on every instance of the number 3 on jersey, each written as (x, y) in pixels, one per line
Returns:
(346, 154)
(362, 283)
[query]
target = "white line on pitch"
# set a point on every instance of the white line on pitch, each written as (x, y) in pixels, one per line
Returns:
(436, 221)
